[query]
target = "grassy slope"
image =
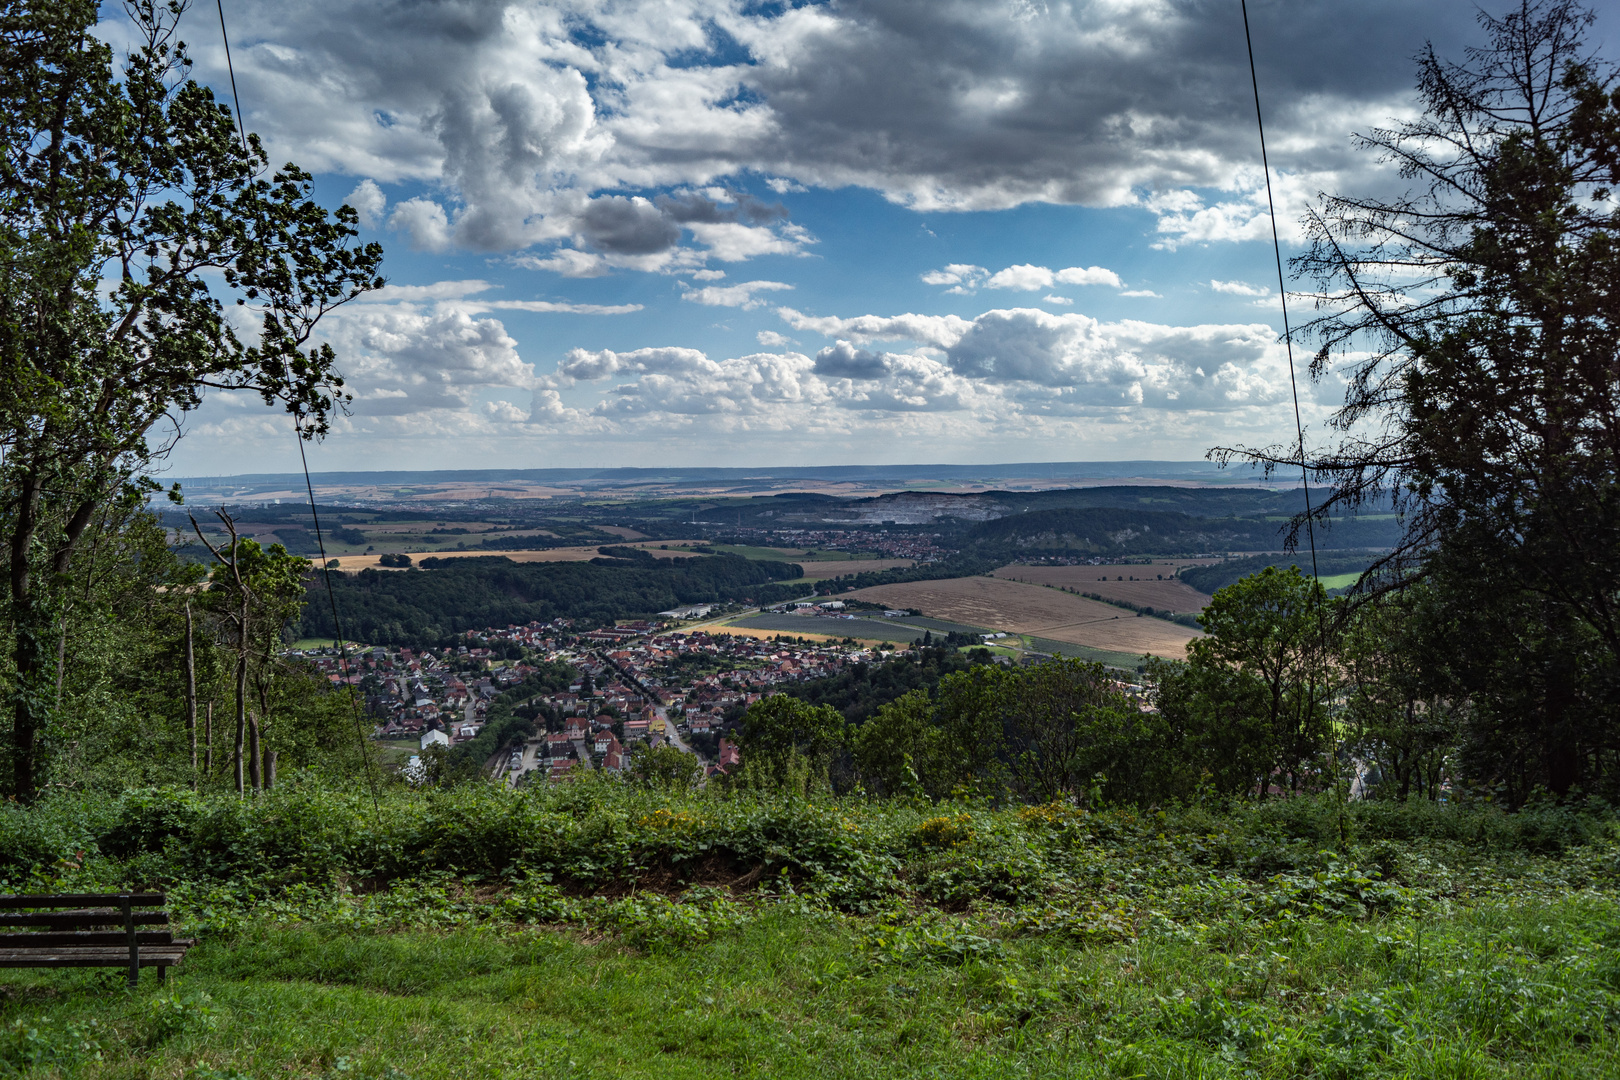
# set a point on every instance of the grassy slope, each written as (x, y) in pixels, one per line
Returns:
(950, 941)
(1497, 992)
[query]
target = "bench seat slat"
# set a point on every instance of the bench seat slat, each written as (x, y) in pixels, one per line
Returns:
(158, 956)
(91, 917)
(83, 900)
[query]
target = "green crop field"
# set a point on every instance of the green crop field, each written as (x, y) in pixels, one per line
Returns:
(1339, 581)
(788, 554)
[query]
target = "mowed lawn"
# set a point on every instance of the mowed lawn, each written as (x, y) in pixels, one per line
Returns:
(1036, 610)
(1146, 589)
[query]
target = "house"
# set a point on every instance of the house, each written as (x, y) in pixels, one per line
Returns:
(635, 729)
(729, 756)
(434, 738)
(558, 746)
(607, 743)
(575, 728)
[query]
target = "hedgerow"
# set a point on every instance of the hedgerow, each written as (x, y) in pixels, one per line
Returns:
(566, 853)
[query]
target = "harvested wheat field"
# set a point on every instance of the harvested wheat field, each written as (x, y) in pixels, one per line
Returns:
(820, 571)
(1175, 596)
(999, 604)
(560, 554)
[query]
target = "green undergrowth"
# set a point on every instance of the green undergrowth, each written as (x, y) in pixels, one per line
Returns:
(593, 929)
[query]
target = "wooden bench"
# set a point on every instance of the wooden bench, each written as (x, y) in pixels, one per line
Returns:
(98, 930)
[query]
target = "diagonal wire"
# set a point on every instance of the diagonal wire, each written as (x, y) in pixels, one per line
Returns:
(298, 432)
(231, 68)
(1282, 291)
(337, 627)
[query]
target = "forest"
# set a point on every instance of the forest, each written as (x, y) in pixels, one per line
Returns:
(445, 598)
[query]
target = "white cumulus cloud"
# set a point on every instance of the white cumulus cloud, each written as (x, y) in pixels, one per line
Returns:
(740, 295)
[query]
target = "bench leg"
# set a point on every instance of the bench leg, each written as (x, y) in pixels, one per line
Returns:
(163, 972)
(134, 943)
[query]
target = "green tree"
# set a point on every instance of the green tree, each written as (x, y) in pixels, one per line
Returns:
(1477, 327)
(1252, 702)
(899, 746)
(257, 593)
(789, 745)
(119, 653)
(1401, 699)
(1065, 725)
(665, 768)
(131, 173)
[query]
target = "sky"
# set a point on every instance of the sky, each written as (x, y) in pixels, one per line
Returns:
(782, 232)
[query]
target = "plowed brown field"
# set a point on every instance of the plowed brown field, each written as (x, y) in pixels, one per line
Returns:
(1175, 595)
(999, 604)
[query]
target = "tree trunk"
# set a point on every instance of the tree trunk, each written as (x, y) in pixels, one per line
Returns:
(191, 695)
(241, 715)
(269, 769)
(208, 744)
(254, 775)
(28, 648)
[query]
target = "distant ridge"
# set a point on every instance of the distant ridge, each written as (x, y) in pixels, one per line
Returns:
(1162, 471)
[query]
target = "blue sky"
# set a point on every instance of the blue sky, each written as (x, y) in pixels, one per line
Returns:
(724, 232)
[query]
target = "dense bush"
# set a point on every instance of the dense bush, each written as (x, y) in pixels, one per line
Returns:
(596, 835)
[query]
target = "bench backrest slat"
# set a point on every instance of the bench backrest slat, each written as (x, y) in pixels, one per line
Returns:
(67, 920)
(84, 900)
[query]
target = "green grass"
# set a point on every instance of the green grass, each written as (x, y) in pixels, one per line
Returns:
(1121, 660)
(595, 929)
(1496, 991)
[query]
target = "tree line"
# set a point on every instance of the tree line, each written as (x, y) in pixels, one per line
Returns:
(1289, 692)
(447, 597)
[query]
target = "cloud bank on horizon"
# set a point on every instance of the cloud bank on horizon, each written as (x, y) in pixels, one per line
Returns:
(651, 230)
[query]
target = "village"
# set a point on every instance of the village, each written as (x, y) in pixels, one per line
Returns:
(636, 684)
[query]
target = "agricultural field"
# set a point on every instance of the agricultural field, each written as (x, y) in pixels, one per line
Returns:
(1034, 609)
(1142, 585)
(861, 629)
(758, 634)
(799, 555)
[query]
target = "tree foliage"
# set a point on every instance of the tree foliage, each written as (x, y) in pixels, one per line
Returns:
(129, 172)
(1476, 321)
